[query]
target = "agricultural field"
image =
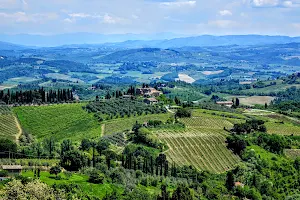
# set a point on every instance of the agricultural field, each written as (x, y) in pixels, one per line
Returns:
(202, 144)
(9, 125)
(277, 123)
(253, 100)
(292, 153)
(64, 121)
(119, 125)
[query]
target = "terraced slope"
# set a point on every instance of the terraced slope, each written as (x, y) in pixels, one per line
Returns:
(9, 127)
(201, 145)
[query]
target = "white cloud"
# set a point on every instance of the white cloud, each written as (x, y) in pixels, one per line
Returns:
(225, 12)
(68, 20)
(275, 3)
(223, 23)
(23, 17)
(265, 3)
(178, 4)
(84, 15)
(108, 19)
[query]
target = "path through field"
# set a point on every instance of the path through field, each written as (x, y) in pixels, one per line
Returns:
(102, 129)
(19, 129)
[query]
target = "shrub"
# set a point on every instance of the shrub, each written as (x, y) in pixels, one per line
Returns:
(96, 177)
(183, 112)
(3, 173)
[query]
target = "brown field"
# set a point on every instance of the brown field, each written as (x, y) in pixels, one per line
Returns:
(253, 100)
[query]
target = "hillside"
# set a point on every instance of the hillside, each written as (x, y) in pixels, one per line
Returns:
(65, 121)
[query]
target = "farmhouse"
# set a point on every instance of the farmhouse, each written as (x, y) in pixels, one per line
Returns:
(151, 101)
(224, 103)
(12, 169)
(148, 92)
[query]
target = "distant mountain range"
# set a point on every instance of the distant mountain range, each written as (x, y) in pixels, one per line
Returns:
(141, 41)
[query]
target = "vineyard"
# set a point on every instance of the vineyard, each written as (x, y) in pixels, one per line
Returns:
(119, 125)
(8, 124)
(292, 153)
(282, 128)
(201, 145)
(64, 121)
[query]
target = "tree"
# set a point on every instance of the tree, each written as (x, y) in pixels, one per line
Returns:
(236, 144)
(182, 193)
(96, 177)
(183, 112)
(55, 170)
(73, 160)
(32, 190)
(229, 180)
(49, 144)
(7, 147)
(102, 145)
(237, 102)
(66, 145)
(85, 145)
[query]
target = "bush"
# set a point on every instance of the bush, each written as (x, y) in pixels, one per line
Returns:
(183, 112)
(3, 173)
(96, 177)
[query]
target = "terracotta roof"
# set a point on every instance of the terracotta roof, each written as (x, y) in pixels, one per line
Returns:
(236, 184)
(10, 167)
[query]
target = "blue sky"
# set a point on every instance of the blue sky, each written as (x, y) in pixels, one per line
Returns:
(186, 17)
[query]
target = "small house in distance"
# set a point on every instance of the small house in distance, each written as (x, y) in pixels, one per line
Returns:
(150, 101)
(148, 92)
(225, 103)
(12, 169)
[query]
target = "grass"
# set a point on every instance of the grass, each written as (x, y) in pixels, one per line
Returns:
(122, 124)
(64, 121)
(201, 144)
(96, 190)
(8, 124)
(264, 154)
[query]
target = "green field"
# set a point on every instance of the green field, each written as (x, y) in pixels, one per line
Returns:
(97, 190)
(8, 124)
(202, 144)
(119, 125)
(60, 121)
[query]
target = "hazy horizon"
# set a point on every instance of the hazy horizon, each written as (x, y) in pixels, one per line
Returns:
(179, 17)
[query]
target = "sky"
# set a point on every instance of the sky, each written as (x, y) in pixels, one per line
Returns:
(185, 17)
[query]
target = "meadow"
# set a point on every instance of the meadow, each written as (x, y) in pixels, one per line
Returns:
(97, 190)
(63, 121)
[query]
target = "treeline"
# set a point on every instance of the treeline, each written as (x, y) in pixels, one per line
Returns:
(36, 96)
